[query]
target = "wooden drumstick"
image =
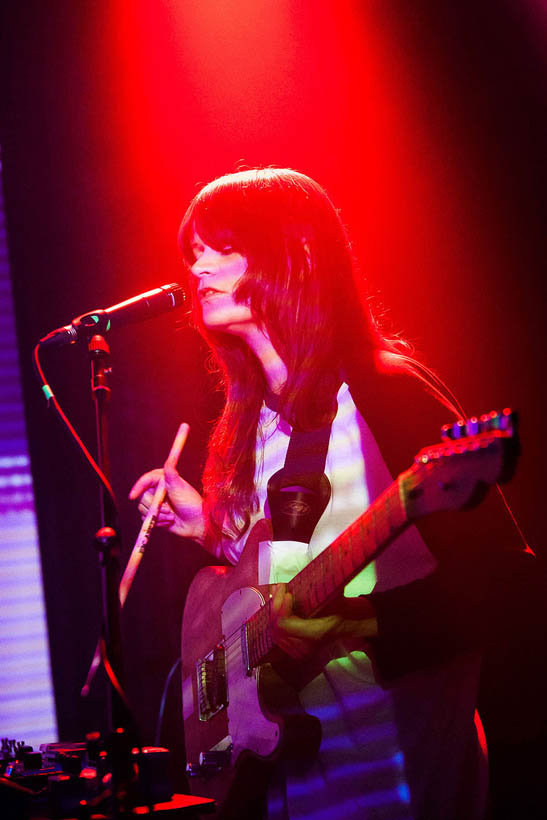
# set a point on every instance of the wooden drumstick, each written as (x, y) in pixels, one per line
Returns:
(151, 516)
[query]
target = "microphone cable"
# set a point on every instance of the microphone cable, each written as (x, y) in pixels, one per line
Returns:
(53, 402)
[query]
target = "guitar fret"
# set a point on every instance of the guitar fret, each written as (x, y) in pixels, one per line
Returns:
(382, 528)
(347, 552)
(311, 599)
(338, 569)
(326, 577)
(394, 509)
(297, 587)
(303, 587)
(326, 571)
(330, 580)
(306, 589)
(318, 578)
(360, 543)
(374, 524)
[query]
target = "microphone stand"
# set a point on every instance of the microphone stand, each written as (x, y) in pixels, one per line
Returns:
(107, 542)
(116, 752)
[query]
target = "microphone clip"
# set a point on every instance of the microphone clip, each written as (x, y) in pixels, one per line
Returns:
(96, 322)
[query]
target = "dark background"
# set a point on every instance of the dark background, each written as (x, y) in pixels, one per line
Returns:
(425, 121)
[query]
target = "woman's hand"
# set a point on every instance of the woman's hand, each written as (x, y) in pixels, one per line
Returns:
(301, 637)
(181, 512)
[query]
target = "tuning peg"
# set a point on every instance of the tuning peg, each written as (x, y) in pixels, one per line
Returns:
(488, 422)
(507, 419)
(472, 426)
(451, 432)
(495, 420)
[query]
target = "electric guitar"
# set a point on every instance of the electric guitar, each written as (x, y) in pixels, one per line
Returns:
(239, 714)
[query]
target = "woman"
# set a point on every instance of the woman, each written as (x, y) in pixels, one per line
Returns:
(275, 296)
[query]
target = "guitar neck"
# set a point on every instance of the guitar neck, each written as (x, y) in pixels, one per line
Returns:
(324, 578)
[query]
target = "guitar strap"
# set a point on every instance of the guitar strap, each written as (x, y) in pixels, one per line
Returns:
(299, 492)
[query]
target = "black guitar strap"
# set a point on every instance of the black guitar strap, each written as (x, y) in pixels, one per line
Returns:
(300, 491)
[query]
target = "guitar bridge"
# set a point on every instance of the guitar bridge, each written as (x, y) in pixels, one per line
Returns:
(211, 683)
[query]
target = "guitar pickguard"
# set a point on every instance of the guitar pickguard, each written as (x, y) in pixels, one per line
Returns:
(247, 725)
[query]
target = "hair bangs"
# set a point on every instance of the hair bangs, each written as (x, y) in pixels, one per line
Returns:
(221, 217)
(211, 225)
(254, 212)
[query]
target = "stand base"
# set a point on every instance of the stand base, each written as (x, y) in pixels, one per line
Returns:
(181, 805)
(73, 781)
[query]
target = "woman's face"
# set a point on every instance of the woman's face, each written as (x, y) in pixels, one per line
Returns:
(218, 274)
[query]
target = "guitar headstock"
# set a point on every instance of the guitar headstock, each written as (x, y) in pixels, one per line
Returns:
(456, 473)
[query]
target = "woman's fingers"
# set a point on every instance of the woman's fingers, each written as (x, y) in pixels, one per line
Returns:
(182, 510)
(164, 511)
(145, 482)
(165, 520)
(299, 637)
(146, 500)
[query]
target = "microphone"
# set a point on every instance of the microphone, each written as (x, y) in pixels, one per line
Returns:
(137, 309)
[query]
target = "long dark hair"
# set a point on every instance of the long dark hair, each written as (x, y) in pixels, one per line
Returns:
(301, 286)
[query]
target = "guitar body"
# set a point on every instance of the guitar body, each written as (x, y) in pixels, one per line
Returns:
(241, 720)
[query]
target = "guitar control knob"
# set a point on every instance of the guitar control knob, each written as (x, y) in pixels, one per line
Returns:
(215, 760)
(210, 763)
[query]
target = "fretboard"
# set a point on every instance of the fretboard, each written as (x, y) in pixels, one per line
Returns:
(324, 578)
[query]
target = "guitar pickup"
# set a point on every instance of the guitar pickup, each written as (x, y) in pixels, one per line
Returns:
(211, 683)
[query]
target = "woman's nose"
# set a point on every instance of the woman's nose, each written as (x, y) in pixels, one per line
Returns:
(205, 263)
(200, 268)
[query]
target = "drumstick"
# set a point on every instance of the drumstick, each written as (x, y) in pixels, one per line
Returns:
(142, 539)
(137, 552)
(151, 516)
